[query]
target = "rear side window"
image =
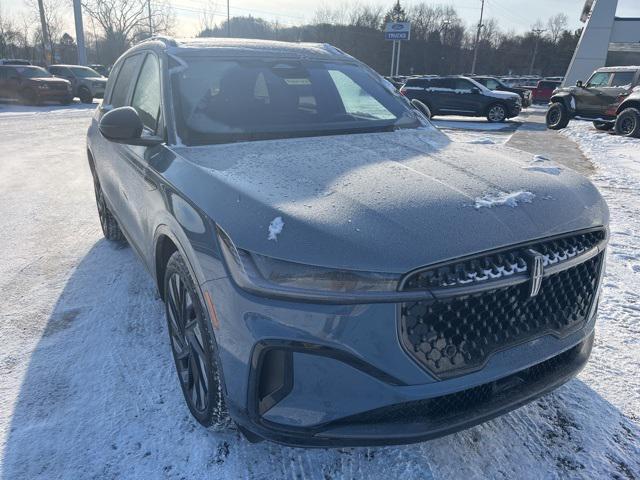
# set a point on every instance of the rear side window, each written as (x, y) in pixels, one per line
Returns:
(146, 97)
(418, 82)
(126, 77)
(623, 79)
(447, 83)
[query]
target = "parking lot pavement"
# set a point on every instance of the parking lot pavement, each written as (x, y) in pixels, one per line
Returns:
(87, 387)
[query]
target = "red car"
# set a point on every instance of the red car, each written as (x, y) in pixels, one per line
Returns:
(542, 92)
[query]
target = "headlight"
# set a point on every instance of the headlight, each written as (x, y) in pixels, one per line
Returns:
(271, 277)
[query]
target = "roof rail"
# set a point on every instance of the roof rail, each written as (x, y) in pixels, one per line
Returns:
(168, 41)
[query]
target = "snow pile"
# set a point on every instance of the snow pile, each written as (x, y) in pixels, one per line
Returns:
(482, 141)
(539, 164)
(499, 199)
(275, 228)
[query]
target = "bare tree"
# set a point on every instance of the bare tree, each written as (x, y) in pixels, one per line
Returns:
(208, 16)
(556, 25)
(125, 21)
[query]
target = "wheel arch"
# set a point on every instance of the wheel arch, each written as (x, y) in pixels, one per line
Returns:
(164, 247)
(629, 103)
(565, 99)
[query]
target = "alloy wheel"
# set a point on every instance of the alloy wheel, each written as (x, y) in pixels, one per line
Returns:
(497, 113)
(627, 125)
(554, 117)
(187, 341)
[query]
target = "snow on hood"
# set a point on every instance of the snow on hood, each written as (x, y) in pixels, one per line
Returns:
(382, 202)
(502, 95)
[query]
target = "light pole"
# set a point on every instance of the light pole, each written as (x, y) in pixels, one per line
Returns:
(536, 32)
(228, 21)
(150, 22)
(475, 50)
(77, 14)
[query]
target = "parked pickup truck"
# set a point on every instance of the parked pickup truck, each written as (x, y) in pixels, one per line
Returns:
(610, 99)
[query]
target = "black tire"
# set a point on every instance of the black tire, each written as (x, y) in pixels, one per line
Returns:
(628, 123)
(604, 126)
(29, 96)
(108, 222)
(194, 347)
(497, 113)
(557, 116)
(85, 95)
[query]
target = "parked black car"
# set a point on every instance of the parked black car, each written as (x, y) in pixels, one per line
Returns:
(493, 83)
(457, 95)
(610, 99)
(32, 85)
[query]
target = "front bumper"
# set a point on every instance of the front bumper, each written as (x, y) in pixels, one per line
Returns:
(341, 377)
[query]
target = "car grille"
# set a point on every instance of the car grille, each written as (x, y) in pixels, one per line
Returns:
(455, 334)
(58, 86)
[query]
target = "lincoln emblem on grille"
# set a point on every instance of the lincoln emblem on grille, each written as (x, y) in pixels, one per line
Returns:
(535, 265)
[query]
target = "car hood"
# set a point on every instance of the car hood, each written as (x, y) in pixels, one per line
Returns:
(51, 80)
(383, 202)
(502, 95)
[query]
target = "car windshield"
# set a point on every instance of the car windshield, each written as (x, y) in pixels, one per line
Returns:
(222, 101)
(33, 72)
(84, 72)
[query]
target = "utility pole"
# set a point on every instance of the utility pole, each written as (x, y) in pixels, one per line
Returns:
(45, 36)
(228, 21)
(77, 14)
(537, 32)
(150, 22)
(475, 49)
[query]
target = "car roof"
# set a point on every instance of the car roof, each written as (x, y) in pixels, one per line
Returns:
(66, 65)
(626, 68)
(241, 47)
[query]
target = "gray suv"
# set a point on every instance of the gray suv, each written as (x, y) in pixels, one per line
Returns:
(610, 99)
(87, 84)
(335, 270)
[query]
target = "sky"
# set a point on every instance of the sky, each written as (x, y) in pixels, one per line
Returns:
(516, 15)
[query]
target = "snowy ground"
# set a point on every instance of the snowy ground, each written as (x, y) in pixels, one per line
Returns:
(87, 387)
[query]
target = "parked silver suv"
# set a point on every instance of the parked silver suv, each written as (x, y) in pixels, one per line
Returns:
(87, 83)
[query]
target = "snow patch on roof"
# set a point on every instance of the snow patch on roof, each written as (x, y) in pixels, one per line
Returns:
(499, 199)
(275, 228)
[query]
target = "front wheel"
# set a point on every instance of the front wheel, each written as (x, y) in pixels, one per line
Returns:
(557, 116)
(85, 96)
(194, 348)
(108, 222)
(628, 123)
(29, 97)
(497, 113)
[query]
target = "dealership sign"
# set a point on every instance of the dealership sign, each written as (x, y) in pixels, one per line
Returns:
(397, 31)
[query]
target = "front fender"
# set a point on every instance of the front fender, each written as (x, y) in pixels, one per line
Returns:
(566, 99)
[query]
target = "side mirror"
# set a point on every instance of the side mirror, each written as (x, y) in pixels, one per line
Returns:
(123, 125)
(579, 84)
(475, 90)
(421, 107)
